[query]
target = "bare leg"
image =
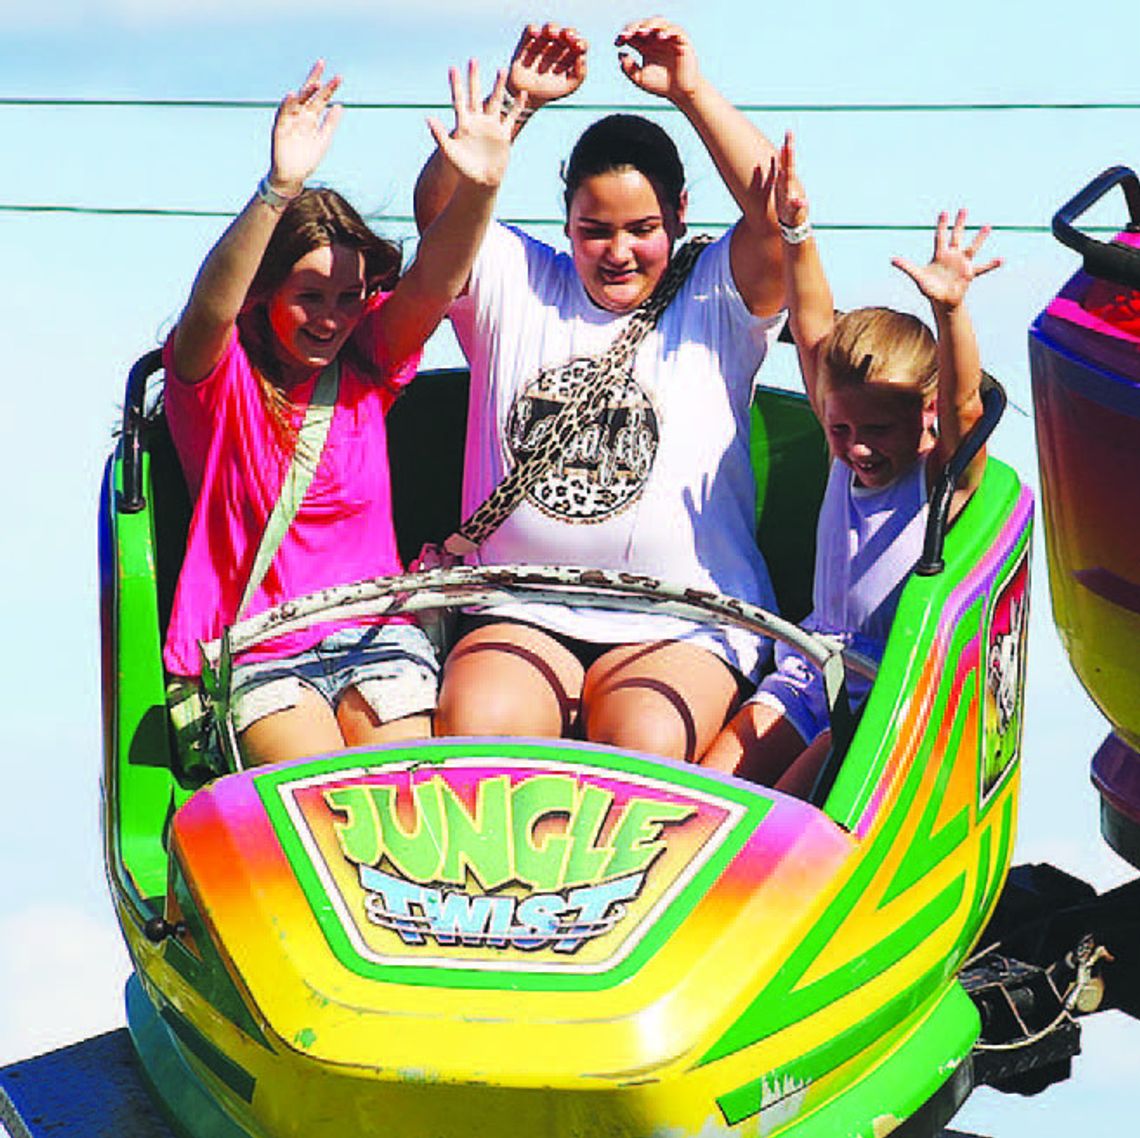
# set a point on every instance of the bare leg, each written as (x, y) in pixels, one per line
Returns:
(666, 698)
(800, 777)
(759, 745)
(310, 728)
(360, 725)
(509, 679)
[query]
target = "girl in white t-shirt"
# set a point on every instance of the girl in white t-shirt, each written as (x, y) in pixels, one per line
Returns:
(894, 404)
(661, 483)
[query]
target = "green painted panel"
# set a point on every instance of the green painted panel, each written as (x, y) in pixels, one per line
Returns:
(139, 791)
(784, 1002)
(928, 847)
(190, 1104)
(912, 634)
(907, 1070)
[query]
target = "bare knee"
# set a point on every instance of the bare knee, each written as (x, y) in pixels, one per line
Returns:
(663, 698)
(800, 778)
(477, 708)
(361, 724)
(759, 744)
(508, 680)
(308, 728)
(656, 730)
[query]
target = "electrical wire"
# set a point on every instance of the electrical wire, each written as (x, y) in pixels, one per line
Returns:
(590, 108)
(587, 108)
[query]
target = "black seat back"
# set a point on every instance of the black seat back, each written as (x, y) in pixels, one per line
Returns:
(426, 435)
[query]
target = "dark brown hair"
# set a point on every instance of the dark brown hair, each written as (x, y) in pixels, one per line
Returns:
(623, 142)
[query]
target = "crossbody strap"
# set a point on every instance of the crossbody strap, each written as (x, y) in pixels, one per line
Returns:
(311, 438)
(216, 658)
(583, 404)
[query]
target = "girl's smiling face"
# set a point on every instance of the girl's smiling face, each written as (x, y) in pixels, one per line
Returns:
(621, 235)
(879, 432)
(316, 308)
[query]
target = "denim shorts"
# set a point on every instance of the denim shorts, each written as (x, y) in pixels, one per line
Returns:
(392, 666)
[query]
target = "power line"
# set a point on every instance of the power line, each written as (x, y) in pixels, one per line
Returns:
(529, 222)
(590, 108)
(112, 210)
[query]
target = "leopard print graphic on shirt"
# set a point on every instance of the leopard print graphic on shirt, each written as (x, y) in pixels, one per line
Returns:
(603, 466)
(586, 416)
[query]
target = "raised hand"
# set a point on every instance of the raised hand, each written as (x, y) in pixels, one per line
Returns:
(945, 280)
(791, 200)
(668, 65)
(302, 130)
(549, 62)
(480, 145)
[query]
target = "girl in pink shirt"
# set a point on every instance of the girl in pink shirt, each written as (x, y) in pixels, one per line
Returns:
(297, 282)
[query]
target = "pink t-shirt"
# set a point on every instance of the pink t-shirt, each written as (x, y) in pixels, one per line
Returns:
(235, 465)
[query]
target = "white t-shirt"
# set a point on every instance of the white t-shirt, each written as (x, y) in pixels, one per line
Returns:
(867, 543)
(662, 484)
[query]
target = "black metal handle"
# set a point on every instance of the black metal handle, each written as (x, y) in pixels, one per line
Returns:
(993, 406)
(131, 498)
(1105, 259)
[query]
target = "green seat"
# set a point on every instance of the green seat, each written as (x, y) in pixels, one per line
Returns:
(790, 463)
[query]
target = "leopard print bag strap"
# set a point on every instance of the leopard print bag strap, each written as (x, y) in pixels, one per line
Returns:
(592, 379)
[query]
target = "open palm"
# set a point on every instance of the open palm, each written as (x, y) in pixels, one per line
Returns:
(480, 145)
(791, 199)
(945, 280)
(303, 128)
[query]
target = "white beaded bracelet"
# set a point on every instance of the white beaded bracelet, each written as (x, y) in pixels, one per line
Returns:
(795, 234)
(272, 198)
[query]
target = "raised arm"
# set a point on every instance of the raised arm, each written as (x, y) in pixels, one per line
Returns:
(475, 153)
(668, 68)
(548, 63)
(944, 282)
(811, 310)
(302, 130)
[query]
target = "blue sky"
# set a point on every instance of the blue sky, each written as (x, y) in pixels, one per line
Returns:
(82, 296)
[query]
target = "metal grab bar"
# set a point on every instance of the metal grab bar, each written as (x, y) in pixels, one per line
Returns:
(993, 407)
(1106, 259)
(498, 584)
(131, 499)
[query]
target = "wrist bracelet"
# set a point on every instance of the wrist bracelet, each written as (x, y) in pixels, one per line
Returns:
(272, 198)
(795, 234)
(509, 104)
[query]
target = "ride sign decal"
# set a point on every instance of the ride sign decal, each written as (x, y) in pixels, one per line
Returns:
(1004, 687)
(515, 865)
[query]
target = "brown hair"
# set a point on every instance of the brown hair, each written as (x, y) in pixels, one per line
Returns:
(879, 346)
(312, 220)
